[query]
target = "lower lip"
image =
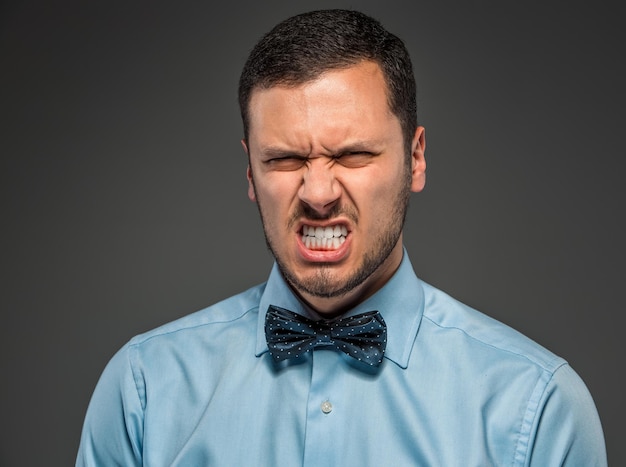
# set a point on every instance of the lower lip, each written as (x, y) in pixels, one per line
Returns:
(324, 256)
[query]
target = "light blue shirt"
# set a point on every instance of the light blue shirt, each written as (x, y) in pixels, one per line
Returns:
(456, 388)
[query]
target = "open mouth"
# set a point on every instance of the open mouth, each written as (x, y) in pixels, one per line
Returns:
(324, 238)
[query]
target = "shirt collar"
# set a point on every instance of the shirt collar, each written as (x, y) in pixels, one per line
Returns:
(400, 301)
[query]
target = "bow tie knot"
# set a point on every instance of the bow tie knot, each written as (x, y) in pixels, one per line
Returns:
(290, 335)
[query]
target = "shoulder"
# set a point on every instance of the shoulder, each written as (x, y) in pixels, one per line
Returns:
(495, 338)
(550, 407)
(230, 310)
(189, 345)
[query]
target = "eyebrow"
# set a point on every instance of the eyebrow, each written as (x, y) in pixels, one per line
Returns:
(274, 152)
(371, 146)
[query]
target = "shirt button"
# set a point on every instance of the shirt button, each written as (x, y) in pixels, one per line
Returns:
(326, 407)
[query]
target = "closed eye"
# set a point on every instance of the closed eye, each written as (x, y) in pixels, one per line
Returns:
(286, 163)
(289, 162)
(354, 159)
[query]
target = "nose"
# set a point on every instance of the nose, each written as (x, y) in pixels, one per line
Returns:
(319, 190)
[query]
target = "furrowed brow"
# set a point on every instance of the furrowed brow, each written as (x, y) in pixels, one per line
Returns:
(272, 152)
(360, 146)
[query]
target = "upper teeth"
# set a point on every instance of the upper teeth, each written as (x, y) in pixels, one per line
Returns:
(321, 232)
(324, 237)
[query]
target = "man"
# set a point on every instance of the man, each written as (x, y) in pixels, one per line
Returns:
(344, 357)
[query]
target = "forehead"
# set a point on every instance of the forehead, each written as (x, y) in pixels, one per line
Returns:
(352, 98)
(363, 69)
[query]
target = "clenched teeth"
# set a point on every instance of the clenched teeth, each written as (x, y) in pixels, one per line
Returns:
(324, 238)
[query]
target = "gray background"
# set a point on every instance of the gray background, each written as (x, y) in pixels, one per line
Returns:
(124, 194)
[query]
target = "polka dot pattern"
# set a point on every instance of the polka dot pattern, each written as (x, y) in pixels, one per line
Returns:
(290, 335)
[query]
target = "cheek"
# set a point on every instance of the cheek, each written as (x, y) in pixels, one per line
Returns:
(275, 194)
(380, 198)
(373, 189)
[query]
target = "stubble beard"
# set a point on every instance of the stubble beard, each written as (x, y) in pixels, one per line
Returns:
(323, 283)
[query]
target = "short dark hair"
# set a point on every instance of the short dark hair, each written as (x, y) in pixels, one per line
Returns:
(301, 48)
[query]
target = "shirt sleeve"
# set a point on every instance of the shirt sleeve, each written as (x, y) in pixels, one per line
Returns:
(113, 427)
(568, 430)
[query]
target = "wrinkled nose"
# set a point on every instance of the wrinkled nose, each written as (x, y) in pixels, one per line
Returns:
(319, 190)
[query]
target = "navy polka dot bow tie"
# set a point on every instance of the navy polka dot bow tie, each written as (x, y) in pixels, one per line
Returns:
(290, 335)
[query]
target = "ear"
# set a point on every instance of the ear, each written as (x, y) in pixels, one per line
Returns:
(418, 162)
(251, 193)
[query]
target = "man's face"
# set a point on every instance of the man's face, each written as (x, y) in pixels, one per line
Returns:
(330, 175)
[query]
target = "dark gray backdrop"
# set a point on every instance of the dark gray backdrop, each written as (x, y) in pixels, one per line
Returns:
(124, 195)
